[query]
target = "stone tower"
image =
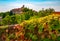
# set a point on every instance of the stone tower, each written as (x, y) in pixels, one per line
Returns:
(23, 6)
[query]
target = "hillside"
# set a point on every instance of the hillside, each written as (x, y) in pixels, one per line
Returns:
(35, 29)
(24, 24)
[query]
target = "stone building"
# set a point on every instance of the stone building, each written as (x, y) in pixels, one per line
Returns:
(17, 10)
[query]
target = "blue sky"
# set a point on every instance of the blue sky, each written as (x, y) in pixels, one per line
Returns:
(6, 5)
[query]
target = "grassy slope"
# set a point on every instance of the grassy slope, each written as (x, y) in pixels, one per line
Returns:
(42, 19)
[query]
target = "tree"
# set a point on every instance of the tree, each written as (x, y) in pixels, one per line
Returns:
(6, 20)
(4, 14)
(45, 12)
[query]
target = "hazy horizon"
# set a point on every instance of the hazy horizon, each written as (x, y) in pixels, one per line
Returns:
(7, 5)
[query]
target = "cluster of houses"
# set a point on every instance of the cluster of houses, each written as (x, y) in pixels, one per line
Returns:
(17, 10)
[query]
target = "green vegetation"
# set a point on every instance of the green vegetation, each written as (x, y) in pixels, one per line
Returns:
(30, 26)
(9, 18)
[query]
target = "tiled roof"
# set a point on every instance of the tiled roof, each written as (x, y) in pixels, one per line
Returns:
(16, 10)
(56, 12)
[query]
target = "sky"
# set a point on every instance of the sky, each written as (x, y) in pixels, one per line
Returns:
(7, 5)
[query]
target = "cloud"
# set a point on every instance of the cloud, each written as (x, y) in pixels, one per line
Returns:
(35, 6)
